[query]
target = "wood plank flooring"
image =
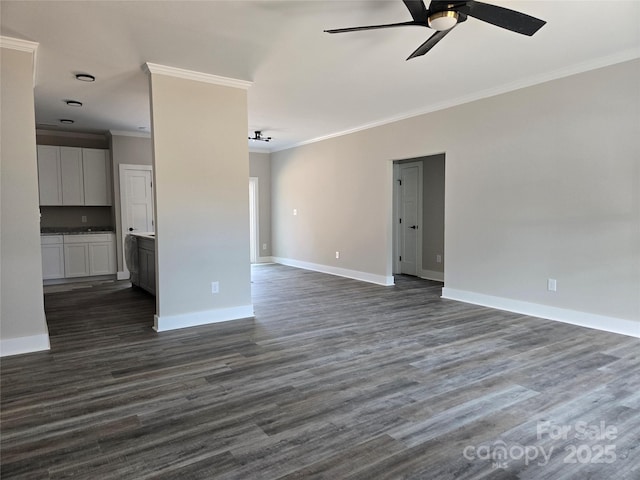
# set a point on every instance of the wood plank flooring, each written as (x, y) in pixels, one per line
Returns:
(333, 379)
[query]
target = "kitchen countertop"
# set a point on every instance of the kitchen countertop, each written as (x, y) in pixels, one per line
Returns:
(149, 235)
(74, 231)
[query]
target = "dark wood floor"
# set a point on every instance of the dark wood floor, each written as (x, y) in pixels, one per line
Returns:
(334, 379)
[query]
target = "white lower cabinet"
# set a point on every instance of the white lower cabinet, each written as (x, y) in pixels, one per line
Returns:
(101, 258)
(76, 260)
(79, 255)
(52, 256)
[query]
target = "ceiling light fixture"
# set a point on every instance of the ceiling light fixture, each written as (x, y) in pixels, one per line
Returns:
(85, 77)
(443, 20)
(257, 135)
(73, 103)
(67, 121)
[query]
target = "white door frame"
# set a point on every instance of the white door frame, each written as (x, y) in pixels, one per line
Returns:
(254, 220)
(397, 200)
(123, 212)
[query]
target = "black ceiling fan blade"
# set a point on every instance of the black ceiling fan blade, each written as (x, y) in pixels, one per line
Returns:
(372, 27)
(503, 17)
(417, 10)
(429, 44)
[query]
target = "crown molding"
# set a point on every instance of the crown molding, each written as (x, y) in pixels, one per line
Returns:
(254, 149)
(22, 46)
(154, 68)
(18, 44)
(124, 133)
(620, 57)
(68, 134)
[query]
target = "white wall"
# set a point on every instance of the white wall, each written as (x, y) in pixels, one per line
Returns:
(23, 327)
(542, 182)
(201, 180)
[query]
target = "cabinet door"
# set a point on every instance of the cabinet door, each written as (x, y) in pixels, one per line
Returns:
(52, 261)
(95, 170)
(151, 271)
(147, 270)
(76, 260)
(72, 179)
(49, 175)
(101, 258)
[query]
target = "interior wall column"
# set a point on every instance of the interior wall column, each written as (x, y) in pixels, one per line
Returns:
(201, 175)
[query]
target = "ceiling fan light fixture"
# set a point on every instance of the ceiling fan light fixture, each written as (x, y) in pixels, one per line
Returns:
(257, 136)
(443, 20)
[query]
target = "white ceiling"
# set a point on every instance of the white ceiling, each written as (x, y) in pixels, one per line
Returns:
(307, 84)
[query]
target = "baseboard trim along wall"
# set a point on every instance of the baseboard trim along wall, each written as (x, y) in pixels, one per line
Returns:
(193, 319)
(573, 317)
(123, 275)
(265, 260)
(340, 272)
(16, 346)
(432, 275)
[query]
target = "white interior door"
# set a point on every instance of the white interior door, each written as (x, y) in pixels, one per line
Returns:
(136, 192)
(136, 202)
(410, 218)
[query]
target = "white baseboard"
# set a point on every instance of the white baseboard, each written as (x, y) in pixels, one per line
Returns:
(432, 275)
(123, 275)
(16, 346)
(340, 272)
(173, 322)
(573, 317)
(265, 260)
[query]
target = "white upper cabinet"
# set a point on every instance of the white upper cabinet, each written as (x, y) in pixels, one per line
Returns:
(72, 180)
(49, 175)
(96, 172)
(73, 176)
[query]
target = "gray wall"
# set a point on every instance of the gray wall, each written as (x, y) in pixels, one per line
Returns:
(541, 182)
(433, 213)
(22, 321)
(260, 166)
(132, 150)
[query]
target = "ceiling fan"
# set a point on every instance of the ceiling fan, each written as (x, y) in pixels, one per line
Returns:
(443, 16)
(257, 136)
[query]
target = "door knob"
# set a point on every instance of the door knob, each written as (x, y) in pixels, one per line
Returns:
(414, 227)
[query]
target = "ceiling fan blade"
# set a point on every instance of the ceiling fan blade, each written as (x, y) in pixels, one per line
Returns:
(429, 44)
(417, 10)
(503, 17)
(372, 27)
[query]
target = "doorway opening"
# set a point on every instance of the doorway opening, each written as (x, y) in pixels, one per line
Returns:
(254, 236)
(136, 204)
(418, 223)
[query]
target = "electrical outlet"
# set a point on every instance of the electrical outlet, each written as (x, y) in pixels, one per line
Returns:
(552, 284)
(84, 219)
(215, 287)
(264, 246)
(438, 258)
(337, 254)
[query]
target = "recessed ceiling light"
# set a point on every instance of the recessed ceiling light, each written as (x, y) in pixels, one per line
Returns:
(73, 103)
(85, 77)
(66, 121)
